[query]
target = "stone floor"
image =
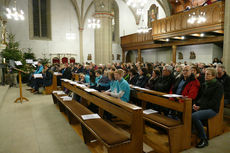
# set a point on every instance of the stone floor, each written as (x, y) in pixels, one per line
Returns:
(35, 126)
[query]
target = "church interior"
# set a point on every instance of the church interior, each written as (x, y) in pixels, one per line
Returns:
(114, 76)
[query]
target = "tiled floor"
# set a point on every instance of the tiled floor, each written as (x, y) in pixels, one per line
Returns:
(35, 127)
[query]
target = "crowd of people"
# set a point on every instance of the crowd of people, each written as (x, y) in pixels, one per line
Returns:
(204, 84)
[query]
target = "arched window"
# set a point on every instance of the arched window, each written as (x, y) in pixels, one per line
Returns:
(72, 60)
(64, 60)
(56, 60)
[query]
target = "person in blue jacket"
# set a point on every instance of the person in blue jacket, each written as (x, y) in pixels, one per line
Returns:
(123, 91)
(102, 81)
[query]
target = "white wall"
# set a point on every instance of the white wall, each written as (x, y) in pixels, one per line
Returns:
(204, 53)
(158, 54)
(63, 20)
(127, 20)
(88, 36)
(217, 51)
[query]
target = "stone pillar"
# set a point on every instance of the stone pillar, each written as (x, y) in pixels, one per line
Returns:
(226, 53)
(103, 35)
(81, 45)
(174, 47)
(139, 55)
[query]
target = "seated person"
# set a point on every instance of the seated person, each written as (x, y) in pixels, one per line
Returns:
(45, 81)
(142, 79)
(196, 71)
(133, 75)
(37, 71)
(154, 78)
(177, 72)
(113, 83)
(98, 74)
(123, 91)
(126, 75)
(186, 85)
(224, 79)
(66, 72)
(103, 83)
(91, 79)
(166, 81)
(208, 104)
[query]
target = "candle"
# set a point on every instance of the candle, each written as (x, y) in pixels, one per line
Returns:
(4, 60)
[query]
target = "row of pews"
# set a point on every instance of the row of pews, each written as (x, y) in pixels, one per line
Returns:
(116, 140)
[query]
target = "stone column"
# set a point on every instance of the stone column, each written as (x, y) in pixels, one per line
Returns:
(139, 58)
(103, 35)
(226, 53)
(174, 47)
(103, 39)
(81, 45)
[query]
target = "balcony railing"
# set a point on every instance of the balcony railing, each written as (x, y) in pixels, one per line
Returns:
(177, 25)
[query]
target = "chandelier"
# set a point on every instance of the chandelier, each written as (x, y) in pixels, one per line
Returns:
(94, 23)
(14, 13)
(143, 28)
(200, 18)
(136, 3)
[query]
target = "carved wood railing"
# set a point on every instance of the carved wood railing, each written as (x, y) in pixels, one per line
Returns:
(137, 38)
(177, 25)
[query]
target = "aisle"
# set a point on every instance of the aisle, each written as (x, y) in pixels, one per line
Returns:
(36, 127)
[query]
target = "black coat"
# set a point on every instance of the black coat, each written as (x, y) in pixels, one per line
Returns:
(211, 96)
(142, 81)
(67, 74)
(47, 78)
(151, 83)
(133, 80)
(225, 81)
(164, 83)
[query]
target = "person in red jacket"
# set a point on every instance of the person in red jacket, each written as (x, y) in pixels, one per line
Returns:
(186, 85)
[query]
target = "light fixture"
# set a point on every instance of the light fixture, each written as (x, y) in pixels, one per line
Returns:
(167, 39)
(138, 5)
(143, 28)
(183, 37)
(202, 34)
(94, 23)
(14, 13)
(200, 18)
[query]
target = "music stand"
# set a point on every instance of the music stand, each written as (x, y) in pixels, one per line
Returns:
(21, 98)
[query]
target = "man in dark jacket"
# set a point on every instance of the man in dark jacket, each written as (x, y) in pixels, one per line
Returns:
(208, 104)
(224, 79)
(186, 85)
(66, 72)
(165, 82)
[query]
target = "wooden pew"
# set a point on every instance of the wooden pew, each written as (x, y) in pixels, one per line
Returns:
(76, 77)
(179, 132)
(100, 129)
(215, 124)
(53, 87)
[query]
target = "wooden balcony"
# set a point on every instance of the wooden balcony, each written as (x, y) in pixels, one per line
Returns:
(175, 26)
